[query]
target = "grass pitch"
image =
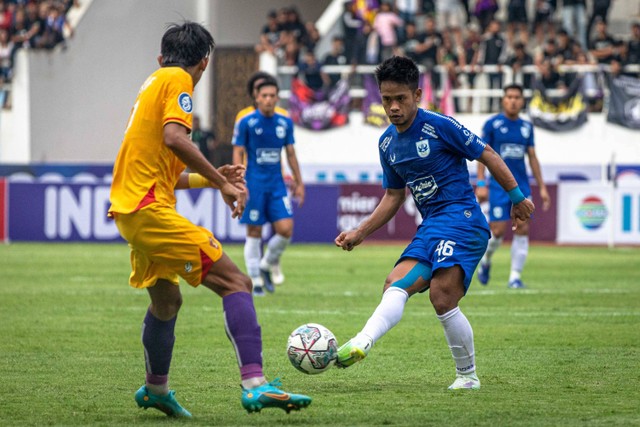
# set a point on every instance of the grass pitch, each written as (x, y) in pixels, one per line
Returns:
(565, 351)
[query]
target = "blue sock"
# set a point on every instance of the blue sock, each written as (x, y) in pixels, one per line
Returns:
(158, 339)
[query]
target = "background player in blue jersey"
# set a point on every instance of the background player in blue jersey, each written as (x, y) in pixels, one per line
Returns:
(261, 136)
(512, 138)
(427, 152)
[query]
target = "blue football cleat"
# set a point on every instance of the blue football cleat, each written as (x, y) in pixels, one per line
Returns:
(270, 396)
(483, 273)
(167, 404)
(266, 279)
(516, 284)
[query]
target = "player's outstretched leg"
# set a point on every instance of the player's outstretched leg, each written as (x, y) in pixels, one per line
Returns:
(167, 403)
(353, 351)
(270, 396)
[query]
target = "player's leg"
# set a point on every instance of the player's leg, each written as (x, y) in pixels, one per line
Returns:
(158, 339)
(446, 290)
(407, 278)
(499, 214)
(519, 253)
(270, 262)
(244, 332)
(252, 253)
(280, 214)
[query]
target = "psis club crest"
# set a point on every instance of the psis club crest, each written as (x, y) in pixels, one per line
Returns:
(423, 148)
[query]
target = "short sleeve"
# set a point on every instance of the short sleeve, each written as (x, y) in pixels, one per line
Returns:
(460, 139)
(390, 178)
(178, 104)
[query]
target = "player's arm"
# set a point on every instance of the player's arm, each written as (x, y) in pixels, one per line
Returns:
(238, 155)
(537, 174)
(177, 139)
(482, 192)
(292, 159)
(522, 207)
(387, 208)
(233, 173)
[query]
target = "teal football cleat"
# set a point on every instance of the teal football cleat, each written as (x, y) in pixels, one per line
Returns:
(167, 404)
(270, 396)
(353, 351)
(466, 382)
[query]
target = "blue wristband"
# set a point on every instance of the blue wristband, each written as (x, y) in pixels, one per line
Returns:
(481, 183)
(516, 195)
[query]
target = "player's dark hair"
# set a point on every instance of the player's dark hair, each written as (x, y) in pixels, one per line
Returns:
(268, 81)
(515, 86)
(258, 75)
(398, 69)
(185, 44)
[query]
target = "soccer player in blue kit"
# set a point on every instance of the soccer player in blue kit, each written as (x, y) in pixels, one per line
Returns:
(260, 136)
(427, 152)
(512, 138)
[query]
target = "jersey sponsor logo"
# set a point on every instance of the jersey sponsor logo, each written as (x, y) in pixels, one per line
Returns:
(184, 100)
(267, 156)
(252, 122)
(385, 143)
(497, 124)
(512, 151)
(423, 189)
(525, 131)
(423, 148)
(429, 130)
(280, 132)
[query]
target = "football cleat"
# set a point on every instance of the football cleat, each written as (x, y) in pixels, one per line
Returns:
(270, 396)
(266, 279)
(258, 288)
(276, 275)
(353, 351)
(516, 284)
(167, 404)
(466, 382)
(483, 273)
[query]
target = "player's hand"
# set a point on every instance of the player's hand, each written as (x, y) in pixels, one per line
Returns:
(235, 196)
(521, 213)
(546, 200)
(233, 173)
(347, 240)
(482, 194)
(298, 194)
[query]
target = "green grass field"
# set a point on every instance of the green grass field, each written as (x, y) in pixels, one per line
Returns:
(565, 351)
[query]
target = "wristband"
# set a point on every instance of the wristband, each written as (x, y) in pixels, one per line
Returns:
(481, 183)
(516, 195)
(198, 181)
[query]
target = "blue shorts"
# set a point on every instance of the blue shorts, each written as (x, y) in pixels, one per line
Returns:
(500, 204)
(266, 206)
(456, 238)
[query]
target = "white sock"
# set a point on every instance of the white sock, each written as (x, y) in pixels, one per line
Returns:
(459, 335)
(492, 247)
(387, 314)
(250, 383)
(252, 248)
(275, 248)
(519, 252)
(158, 389)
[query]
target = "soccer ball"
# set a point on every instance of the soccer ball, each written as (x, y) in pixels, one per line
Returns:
(312, 348)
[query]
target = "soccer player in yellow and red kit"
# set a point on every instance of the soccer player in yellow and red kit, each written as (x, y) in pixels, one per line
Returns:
(164, 245)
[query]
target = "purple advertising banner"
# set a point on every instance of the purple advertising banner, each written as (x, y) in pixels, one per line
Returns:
(61, 212)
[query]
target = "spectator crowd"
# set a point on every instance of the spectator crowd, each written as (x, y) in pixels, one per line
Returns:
(463, 37)
(30, 24)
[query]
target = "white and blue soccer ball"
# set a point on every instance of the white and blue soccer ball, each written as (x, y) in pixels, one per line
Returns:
(312, 348)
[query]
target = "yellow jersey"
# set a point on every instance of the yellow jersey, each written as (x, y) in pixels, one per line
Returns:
(146, 170)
